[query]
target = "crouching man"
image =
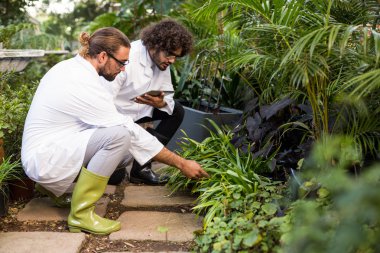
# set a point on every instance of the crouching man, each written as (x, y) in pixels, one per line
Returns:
(73, 130)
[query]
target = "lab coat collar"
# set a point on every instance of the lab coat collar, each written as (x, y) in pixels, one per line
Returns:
(146, 61)
(86, 64)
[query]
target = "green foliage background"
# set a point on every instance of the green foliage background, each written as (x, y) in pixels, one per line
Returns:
(322, 54)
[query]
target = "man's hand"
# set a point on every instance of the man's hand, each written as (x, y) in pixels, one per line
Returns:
(191, 169)
(155, 101)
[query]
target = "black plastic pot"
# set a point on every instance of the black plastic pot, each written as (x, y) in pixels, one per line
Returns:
(196, 120)
(21, 189)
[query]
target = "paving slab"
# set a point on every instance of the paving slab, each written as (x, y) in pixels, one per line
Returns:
(145, 225)
(154, 196)
(42, 209)
(41, 242)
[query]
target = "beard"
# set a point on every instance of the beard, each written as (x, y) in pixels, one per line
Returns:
(156, 59)
(108, 76)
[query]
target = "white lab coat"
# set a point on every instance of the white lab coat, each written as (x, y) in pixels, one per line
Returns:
(69, 105)
(140, 75)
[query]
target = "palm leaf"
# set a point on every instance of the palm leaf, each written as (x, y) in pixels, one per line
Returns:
(364, 84)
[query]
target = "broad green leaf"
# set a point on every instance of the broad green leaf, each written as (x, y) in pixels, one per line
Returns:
(252, 238)
(269, 208)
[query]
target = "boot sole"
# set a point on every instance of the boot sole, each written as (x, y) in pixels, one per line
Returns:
(78, 230)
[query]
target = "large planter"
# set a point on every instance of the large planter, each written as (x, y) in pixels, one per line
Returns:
(195, 120)
(17, 59)
(21, 189)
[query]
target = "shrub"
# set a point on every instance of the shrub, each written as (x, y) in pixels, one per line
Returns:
(345, 215)
(239, 205)
(14, 105)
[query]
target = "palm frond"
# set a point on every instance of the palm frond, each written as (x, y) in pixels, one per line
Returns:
(364, 84)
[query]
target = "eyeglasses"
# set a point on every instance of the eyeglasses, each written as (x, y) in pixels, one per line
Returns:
(121, 64)
(170, 55)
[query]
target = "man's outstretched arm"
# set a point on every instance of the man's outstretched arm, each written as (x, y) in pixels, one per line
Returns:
(191, 169)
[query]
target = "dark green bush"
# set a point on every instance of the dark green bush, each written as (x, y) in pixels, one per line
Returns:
(345, 215)
(239, 205)
(15, 99)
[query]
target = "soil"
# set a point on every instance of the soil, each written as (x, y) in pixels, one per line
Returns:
(95, 243)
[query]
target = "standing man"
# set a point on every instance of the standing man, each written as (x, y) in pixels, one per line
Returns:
(149, 69)
(74, 130)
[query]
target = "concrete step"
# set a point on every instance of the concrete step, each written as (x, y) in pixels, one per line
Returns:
(154, 196)
(42, 209)
(41, 242)
(137, 223)
(157, 226)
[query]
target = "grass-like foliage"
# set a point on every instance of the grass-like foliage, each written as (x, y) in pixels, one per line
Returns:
(231, 173)
(8, 171)
(236, 201)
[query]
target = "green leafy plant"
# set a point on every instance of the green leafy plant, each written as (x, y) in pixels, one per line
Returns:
(29, 38)
(14, 11)
(7, 32)
(344, 215)
(249, 225)
(133, 16)
(8, 171)
(308, 50)
(206, 83)
(14, 106)
(237, 203)
(163, 229)
(231, 172)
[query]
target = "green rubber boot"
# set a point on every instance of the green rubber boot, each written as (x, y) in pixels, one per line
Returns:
(88, 189)
(61, 201)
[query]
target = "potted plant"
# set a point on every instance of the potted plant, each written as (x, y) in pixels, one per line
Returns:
(14, 104)
(205, 90)
(8, 171)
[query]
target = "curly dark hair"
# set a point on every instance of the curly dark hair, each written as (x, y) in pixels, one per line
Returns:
(167, 35)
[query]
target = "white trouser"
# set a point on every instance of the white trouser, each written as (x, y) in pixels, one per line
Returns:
(107, 149)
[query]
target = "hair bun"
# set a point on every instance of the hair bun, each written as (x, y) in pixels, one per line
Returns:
(84, 40)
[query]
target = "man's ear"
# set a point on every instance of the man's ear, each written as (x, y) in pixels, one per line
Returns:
(102, 57)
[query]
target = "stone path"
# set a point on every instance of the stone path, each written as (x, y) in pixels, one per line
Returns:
(152, 213)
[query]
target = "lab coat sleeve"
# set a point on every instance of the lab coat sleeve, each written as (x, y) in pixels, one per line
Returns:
(94, 106)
